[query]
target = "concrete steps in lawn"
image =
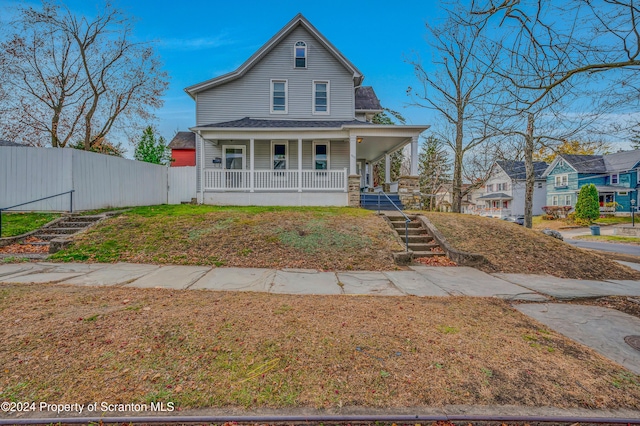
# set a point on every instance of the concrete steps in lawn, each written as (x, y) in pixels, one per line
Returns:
(420, 242)
(65, 228)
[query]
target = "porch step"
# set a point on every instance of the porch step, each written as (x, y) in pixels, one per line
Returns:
(82, 218)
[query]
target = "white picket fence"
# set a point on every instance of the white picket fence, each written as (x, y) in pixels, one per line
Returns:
(98, 181)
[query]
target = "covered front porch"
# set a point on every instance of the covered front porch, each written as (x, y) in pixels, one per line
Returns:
(297, 165)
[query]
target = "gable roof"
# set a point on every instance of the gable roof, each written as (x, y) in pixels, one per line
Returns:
(4, 142)
(622, 161)
(516, 169)
(183, 140)
(366, 99)
(585, 163)
(298, 20)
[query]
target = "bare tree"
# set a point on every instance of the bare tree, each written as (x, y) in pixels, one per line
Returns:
(548, 64)
(461, 89)
(72, 78)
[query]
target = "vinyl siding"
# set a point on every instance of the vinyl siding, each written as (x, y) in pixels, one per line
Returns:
(249, 96)
(338, 154)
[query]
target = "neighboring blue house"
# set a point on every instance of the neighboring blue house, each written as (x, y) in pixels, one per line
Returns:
(616, 177)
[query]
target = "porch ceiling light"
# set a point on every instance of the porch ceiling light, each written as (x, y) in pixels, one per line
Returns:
(359, 140)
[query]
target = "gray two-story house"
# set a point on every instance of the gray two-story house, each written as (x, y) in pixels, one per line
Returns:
(292, 126)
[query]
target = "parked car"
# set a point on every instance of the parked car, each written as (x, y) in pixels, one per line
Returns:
(515, 219)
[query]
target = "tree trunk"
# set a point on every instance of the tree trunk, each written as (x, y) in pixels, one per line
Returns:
(530, 179)
(456, 200)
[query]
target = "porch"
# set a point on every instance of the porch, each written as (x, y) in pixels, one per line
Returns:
(268, 162)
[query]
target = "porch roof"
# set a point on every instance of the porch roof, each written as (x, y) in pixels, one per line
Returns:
(611, 188)
(374, 140)
(253, 123)
(496, 196)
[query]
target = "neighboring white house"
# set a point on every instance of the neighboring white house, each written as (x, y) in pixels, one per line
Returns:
(292, 126)
(504, 192)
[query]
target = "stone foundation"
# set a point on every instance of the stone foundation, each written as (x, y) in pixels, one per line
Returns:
(354, 190)
(386, 187)
(409, 192)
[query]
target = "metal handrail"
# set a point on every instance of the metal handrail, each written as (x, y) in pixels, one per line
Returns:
(406, 219)
(35, 201)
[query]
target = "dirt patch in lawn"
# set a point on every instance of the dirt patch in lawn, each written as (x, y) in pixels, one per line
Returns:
(512, 248)
(320, 238)
(210, 349)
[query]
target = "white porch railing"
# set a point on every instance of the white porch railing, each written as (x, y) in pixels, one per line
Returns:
(275, 180)
(493, 212)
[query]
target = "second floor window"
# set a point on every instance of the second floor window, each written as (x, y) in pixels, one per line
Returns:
(300, 54)
(279, 96)
(614, 179)
(562, 180)
(321, 97)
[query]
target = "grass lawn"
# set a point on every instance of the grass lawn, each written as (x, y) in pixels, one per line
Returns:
(19, 223)
(609, 239)
(612, 220)
(539, 223)
(211, 349)
(280, 237)
(514, 249)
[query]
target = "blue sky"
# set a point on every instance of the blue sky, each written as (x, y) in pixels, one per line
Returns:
(199, 40)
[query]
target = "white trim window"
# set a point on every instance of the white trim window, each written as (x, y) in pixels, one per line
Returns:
(234, 157)
(567, 200)
(321, 153)
(503, 186)
(279, 90)
(280, 155)
(300, 55)
(614, 179)
(321, 90)
(554, 200)
(562, 180)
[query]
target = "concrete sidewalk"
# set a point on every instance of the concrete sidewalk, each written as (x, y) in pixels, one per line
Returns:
(605, 330)
(418, 281)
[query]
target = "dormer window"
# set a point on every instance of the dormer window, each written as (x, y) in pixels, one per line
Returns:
(300, 54)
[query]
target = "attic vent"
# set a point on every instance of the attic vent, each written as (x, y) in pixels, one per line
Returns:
(300, 54)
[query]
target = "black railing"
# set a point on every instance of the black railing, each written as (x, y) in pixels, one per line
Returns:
(406, 219)
(35, 201)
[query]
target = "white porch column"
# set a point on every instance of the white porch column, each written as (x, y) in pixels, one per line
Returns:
(200, 162)
(252, 165)
(387, 168)
(299, 164)
(352, 154)
(414, 155)
(367, 174)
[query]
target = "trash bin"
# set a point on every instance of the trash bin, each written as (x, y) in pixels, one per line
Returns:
(595, 229)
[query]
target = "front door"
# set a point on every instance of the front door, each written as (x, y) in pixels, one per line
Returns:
(234, 163)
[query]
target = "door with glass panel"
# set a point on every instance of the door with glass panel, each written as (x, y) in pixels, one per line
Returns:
(235, 164)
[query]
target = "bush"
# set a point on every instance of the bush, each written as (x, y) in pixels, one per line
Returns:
(587, 206)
